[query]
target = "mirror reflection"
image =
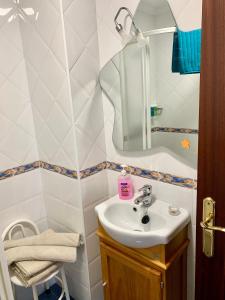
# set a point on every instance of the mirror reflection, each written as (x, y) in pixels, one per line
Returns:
(154, 105)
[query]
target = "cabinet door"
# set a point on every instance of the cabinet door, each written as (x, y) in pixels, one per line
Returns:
(127, 279)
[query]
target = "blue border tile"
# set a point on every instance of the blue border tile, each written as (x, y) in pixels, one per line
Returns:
(136, 171)
(59, 170)
(19, 170)
(155, 175)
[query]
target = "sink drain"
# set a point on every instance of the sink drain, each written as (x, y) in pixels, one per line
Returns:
(145, 219)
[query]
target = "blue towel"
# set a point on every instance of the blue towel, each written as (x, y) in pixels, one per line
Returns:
(187, 52)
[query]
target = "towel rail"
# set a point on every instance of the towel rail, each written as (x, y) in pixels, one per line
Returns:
(159, 31)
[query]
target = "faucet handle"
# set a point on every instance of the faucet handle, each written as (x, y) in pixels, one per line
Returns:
(146, 189)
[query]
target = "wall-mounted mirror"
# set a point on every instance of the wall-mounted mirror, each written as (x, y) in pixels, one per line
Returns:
(153, 106)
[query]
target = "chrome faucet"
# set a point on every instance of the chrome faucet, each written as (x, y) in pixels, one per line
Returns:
(146, 199)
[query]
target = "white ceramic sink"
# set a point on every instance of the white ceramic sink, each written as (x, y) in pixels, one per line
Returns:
(124, 225)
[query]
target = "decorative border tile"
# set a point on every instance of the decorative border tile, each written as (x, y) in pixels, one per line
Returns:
(19, 170)
(136, 171)
(155, 175)
(93, 170)
(175, 130)
(59, 170)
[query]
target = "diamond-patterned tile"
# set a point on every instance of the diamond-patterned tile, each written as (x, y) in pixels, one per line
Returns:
(74, 45)
(25, 120)
(82, 18)
(32, 40)
(85, 71)
(5, 125)
(11, 31)
(52, 74)
(8, 50)
(12, 102)
(47, 20)
(80, 97)
(21, 141)
(55, 117)
(90, 121)
(42, 99)
(69, 147)
(64, 101)
(57, 45)
(19, 78)
(47, 142)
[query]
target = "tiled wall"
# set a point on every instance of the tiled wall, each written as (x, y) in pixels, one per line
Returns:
(46, 64)
(17, 137)
(83, 60)
(50, 87)
(18, 194)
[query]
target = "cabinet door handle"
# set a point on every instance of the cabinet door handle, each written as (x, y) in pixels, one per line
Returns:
(104, 284)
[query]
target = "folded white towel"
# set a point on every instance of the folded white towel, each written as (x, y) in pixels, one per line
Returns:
(29, 281)
(47, 238)
(31, 268)
(49, 253)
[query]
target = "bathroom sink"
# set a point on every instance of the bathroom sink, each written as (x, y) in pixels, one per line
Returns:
(122, 220)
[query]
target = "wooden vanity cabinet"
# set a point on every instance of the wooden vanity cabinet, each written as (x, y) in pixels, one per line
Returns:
(157, 273)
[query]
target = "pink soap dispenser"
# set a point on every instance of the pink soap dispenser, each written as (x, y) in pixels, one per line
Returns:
(125, 185)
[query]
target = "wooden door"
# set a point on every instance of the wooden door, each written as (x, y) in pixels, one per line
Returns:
(127, 279)
(210, 272)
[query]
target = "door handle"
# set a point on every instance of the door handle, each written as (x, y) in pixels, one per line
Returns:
(208, 226)
(205, 224)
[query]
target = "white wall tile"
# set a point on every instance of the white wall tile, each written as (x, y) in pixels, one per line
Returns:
(33, 209)
(47, 20)
(64, 188)
(92, 244)
(82, 18)
(64, 214)
(90, 220)
(95, 271)
(188, 13)
(78, 270)
(28, 185)
(8, 196)
(94, 188)
(97, 292)
(78, 291)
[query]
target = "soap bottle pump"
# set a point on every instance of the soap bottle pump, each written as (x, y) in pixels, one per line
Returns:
(125, 185)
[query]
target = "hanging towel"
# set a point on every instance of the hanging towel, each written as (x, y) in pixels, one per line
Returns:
(187, 52)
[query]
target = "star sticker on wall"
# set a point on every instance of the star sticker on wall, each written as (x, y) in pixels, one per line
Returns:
(185, 144)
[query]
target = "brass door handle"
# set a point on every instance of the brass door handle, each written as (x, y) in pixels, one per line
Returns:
(205, 224)
(208, 216)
